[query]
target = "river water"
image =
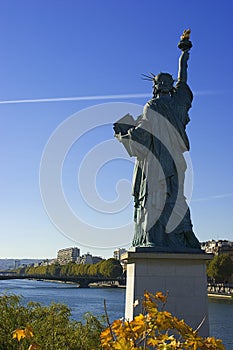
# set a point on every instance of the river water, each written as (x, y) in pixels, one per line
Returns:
(81, 300)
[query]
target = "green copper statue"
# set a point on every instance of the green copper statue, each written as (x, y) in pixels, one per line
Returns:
(158, 140)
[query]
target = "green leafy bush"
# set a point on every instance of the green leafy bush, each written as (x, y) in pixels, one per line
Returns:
(50, 327)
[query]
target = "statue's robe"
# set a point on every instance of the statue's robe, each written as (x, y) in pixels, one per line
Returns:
(158, 141)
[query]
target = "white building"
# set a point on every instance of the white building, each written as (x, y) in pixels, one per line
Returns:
(118, 253)
(66, 255)
(88, 259)
(218, 247)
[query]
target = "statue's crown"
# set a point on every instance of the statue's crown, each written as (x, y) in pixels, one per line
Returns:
(159, 77)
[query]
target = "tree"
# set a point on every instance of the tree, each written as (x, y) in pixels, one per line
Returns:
(106, 268)
(220, 268)
(54, 269)
(111, 268)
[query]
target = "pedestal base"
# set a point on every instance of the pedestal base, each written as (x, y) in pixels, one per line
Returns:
(181, 275)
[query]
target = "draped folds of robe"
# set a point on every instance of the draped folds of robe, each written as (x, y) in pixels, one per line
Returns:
(158, 141)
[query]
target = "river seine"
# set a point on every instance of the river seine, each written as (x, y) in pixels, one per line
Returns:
(81, 300)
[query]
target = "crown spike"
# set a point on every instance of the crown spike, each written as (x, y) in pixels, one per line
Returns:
(147, 77)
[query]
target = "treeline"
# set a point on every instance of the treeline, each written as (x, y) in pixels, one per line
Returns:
(107, 268)
(220, 269)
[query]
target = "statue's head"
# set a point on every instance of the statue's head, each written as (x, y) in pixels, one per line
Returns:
(162, 83)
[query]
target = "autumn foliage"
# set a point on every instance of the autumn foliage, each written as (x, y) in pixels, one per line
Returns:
(35, 326)
(155, 329)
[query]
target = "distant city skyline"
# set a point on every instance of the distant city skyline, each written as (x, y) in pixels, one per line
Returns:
(60, 58)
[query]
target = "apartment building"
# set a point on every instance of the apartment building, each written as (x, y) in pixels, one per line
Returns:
(66, 255)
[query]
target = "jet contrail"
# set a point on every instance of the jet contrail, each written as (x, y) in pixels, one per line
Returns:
(218, 196)
(79, 98)
(95, 97)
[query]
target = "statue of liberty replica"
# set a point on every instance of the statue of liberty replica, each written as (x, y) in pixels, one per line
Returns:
(158, 140)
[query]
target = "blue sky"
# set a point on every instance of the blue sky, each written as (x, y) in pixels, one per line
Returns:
(58, 49)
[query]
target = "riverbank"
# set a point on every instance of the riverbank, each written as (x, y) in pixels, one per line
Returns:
(220, 296)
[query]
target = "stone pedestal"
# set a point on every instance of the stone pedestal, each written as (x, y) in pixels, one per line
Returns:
(182, 275)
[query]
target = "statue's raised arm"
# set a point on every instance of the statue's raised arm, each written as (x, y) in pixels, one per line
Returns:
(185, 45)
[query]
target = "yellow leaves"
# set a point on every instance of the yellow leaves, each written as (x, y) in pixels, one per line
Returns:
(155, 329)
(157, 296)
(183, 328)
(194, 342)
(122, 335)
(161, 297)
(150, 301)
(212, 344)
(22, 333)
(19, 334)
(106, 337)
(28, 332)
(117, 327)
(205, 343)
(138, 325)
(25, 333)
(123, 344)
(164, 320)
(162, 339)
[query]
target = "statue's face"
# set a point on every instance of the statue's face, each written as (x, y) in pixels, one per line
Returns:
(163, 82)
